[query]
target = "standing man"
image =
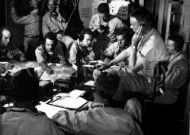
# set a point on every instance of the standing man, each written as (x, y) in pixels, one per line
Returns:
(147, 47)
(52, 20)
(105, 27)
(30, 22)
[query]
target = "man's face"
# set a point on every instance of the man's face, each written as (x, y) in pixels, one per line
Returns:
(102, 15)
(33, 3)
(134, 24)
(121, 41)
(49, 45)
(87, 40)
(51, 6)
(59, 37)
(170, 46)
(6, 37)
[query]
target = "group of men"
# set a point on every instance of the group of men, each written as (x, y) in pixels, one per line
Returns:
(139, 54)
(147, 50)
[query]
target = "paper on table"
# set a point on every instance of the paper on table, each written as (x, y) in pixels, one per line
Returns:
(69, 102)
(90, 83)
(49, 110)
(76, 93)
(88, 66)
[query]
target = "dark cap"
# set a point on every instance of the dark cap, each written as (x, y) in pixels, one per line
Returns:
(25, 85)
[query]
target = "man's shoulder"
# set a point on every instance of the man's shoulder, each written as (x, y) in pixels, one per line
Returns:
(180, 58)
(154, 34)
(46, 15)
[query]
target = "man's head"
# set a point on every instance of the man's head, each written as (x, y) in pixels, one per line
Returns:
(34, 3)
(25, 86)
(50, 39)
(123, 37)
(52, 4)
(140, 17)
(59, 35)
(85, 37)
(175, 43)
(103, 10)
(106, 85)
(5, 36)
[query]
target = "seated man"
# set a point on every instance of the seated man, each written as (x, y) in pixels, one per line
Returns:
(80, 50)
(50, 52)
(8, 51)
(164, 105)
(23, 118)
(122, 43)
(99, 117)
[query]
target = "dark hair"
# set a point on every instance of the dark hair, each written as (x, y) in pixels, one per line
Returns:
(60, 32)
(106, 84)
(25, 85)
(126, 32)
(103, 8)
(83, 32)
(178, 41)
(50, 35)
(143, 16)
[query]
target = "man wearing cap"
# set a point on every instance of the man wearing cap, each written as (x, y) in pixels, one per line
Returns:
(23, 118)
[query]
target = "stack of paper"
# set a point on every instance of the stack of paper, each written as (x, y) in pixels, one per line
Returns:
(70, 100)
(76, 93)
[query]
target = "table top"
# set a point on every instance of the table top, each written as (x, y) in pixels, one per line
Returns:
(60, 71)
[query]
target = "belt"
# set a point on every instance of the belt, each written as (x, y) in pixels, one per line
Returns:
(32, 36)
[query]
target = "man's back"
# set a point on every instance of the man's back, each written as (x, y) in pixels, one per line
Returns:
(99, 121)
(21, 121)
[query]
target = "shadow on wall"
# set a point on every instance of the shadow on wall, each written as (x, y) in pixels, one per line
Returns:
(2, 13)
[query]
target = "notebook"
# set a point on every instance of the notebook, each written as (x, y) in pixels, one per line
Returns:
(70, 100)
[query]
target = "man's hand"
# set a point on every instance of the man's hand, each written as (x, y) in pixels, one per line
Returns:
(102, 66)
(96, 74)
(49, 70)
